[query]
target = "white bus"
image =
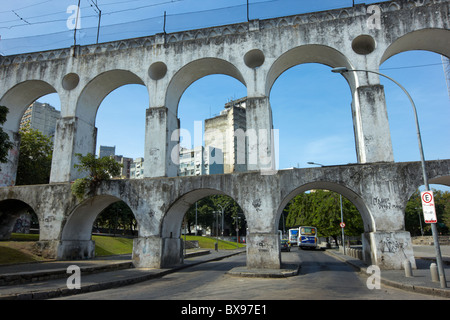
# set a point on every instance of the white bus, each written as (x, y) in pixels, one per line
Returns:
(293, 236)
(307, 237)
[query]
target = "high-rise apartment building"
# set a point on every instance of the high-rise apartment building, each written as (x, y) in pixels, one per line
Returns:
(200, 161)
(137, 169)
(125, 171)
(41, 117)
(220, 133)
(106, 151)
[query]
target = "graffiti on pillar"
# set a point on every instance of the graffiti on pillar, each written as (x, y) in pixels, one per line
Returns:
(263, 246)
(391, 245)
(384, 203)
(257, 204)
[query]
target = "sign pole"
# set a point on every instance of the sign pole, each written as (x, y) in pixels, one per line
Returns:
(342, 224)
(429, 214)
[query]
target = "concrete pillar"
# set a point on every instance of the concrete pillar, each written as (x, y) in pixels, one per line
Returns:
(263, 251)
(388, 250)
(47, 248)
(260, 135)
(147, 252)
(72, 136)
(76, 250)
(8, 170)
(161, 143)
(172, 252)
(370, 120)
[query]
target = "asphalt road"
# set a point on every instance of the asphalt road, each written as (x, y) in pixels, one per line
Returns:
(321, 277)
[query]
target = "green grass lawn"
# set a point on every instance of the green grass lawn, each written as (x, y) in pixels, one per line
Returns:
(12, 256)
(18, 250)
(208, 243)
(106, 246)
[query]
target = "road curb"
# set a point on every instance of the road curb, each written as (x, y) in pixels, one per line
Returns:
(395, 284)
(33, 276)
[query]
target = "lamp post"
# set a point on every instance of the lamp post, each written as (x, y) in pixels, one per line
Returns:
(217, 230)
(237, 218)
(342, 70)
(223, 219)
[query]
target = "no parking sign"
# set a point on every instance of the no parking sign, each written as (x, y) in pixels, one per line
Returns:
(429, 211)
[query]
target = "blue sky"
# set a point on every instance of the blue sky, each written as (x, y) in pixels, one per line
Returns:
(311, 105)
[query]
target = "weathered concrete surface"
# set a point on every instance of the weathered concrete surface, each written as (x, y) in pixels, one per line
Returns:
(379, 191)
(361, 37)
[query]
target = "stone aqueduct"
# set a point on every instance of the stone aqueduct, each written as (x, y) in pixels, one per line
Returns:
(256, 53)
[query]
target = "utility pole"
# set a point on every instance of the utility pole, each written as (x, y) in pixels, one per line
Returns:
(248, 14)
(99, 12)
(76, 25)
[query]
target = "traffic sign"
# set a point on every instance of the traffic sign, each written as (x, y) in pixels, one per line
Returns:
(342, 224)
(429, 211)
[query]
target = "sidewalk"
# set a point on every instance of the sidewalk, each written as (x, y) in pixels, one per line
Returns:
(49, 279)
(420, 281)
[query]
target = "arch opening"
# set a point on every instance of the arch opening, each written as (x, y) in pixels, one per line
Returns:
(77, 240)
(430, 98)
(19, 233)
(313, 125)
(17, 217)
(325, 206)
(347, 193)
(98, 88)
(104, 105)
(210, 111)
(194, 71)
(123, 108)
(210, 204)
(434, 40)
(34, 109)
(218, 217)
(309, 54)
(20, 97)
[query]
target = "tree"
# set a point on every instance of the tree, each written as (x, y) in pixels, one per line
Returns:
(98, 170)
(5, 144)
(414, 222)
(117, 216)
(35, 157)
(206, 208)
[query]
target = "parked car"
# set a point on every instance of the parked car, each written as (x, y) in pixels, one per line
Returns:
(285, 245)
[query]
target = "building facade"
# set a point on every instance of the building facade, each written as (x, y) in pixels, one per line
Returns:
(227, 133)
(41, 117)
(105, 151)
(137, 169)
(200, 161)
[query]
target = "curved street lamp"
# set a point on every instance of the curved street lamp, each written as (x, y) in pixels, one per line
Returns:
(342, 70)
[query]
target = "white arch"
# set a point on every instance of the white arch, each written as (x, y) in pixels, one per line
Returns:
(435, 40)
(98, 88)
(18, 99)
(172, 220)
(80, 221)
(312, 53)
(193, 71)
(351, 195)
